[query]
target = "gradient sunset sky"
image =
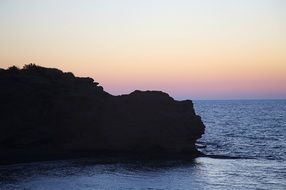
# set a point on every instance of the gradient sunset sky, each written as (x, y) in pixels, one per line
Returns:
(203, 49)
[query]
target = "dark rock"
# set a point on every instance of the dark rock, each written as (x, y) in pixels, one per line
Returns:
(48, 112)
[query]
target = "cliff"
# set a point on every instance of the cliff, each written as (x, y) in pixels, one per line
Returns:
(45, 111)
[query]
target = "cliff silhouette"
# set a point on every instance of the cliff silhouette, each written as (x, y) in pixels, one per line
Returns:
(47, 112)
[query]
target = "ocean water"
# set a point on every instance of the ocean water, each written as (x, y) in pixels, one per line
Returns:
(249, 134)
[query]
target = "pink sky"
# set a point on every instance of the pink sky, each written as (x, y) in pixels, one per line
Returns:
(190, 49)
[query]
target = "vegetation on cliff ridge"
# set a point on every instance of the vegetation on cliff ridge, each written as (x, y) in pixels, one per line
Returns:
(48, 109)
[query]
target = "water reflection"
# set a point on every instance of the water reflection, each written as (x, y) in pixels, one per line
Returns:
(201, 173)
(87, 173)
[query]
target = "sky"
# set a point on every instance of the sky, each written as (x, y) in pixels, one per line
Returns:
(191, 49)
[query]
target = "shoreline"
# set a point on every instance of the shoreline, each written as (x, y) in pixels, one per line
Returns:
(28, 157)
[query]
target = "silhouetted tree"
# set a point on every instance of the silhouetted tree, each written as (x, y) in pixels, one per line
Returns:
(13, 69)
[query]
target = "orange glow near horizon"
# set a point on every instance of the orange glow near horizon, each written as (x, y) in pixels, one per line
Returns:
(190, 49)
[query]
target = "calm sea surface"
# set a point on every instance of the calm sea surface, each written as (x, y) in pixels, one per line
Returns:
(252, 131)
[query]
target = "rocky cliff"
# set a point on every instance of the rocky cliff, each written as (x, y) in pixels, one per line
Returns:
(47, 111)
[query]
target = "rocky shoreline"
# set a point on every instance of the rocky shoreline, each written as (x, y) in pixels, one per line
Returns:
(47, 113)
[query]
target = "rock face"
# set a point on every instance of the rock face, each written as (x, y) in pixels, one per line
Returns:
(44, 109)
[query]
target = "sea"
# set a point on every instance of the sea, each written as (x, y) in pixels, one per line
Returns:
(246, 141)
